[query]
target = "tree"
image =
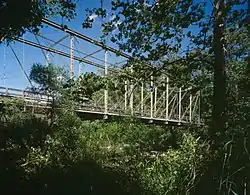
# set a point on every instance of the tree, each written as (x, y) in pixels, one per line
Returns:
(219, 98)
(84, 87)
(49, 80)
(150, 30)
(17, 17)
(216, 48)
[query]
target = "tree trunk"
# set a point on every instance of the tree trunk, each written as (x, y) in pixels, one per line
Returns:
(219, 96)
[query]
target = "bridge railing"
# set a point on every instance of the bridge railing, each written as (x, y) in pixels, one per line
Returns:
(171, 105)
(28, 96)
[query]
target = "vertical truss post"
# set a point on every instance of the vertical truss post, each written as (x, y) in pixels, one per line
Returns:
(131, 94)
(80, 69)
(167, 99)
(199, 114)
(155, 102)
(190, 108)
(179, 105)
(151, 96)
(126, 95)
(71, 57)
(4, 64)
(47, 58)
(106, 89)
(142, 98)
(23, 51)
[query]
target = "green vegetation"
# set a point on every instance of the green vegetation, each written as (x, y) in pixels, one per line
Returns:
(26, 15)
(64, 154)
(123, 156)
(119, 157)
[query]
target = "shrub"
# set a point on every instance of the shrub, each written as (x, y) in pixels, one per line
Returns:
(142, 152)
(92, 157)
(175, 171)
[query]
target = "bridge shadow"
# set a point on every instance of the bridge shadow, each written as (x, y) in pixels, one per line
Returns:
(86, 177)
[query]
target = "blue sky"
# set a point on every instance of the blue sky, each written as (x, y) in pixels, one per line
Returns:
(11, 74)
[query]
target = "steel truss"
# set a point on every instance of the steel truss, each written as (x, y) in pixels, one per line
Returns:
(154, 100)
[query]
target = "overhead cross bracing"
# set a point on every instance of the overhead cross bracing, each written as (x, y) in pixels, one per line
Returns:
(81, 36)
(60, 53)
(74, 49)
(154, 100)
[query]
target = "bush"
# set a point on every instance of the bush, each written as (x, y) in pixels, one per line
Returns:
(22, 140)
(115, 157)
(143, 153)
(176, 171)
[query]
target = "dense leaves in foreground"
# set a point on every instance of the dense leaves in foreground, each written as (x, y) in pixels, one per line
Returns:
(75, 156)
(26, 15)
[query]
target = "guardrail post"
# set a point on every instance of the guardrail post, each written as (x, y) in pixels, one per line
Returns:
(179, 105)
(33, 107)
(23, 96)
(6, 91)
(142, 98)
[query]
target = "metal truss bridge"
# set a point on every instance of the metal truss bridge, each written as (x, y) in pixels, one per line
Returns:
(169, 106)
(154, 101)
